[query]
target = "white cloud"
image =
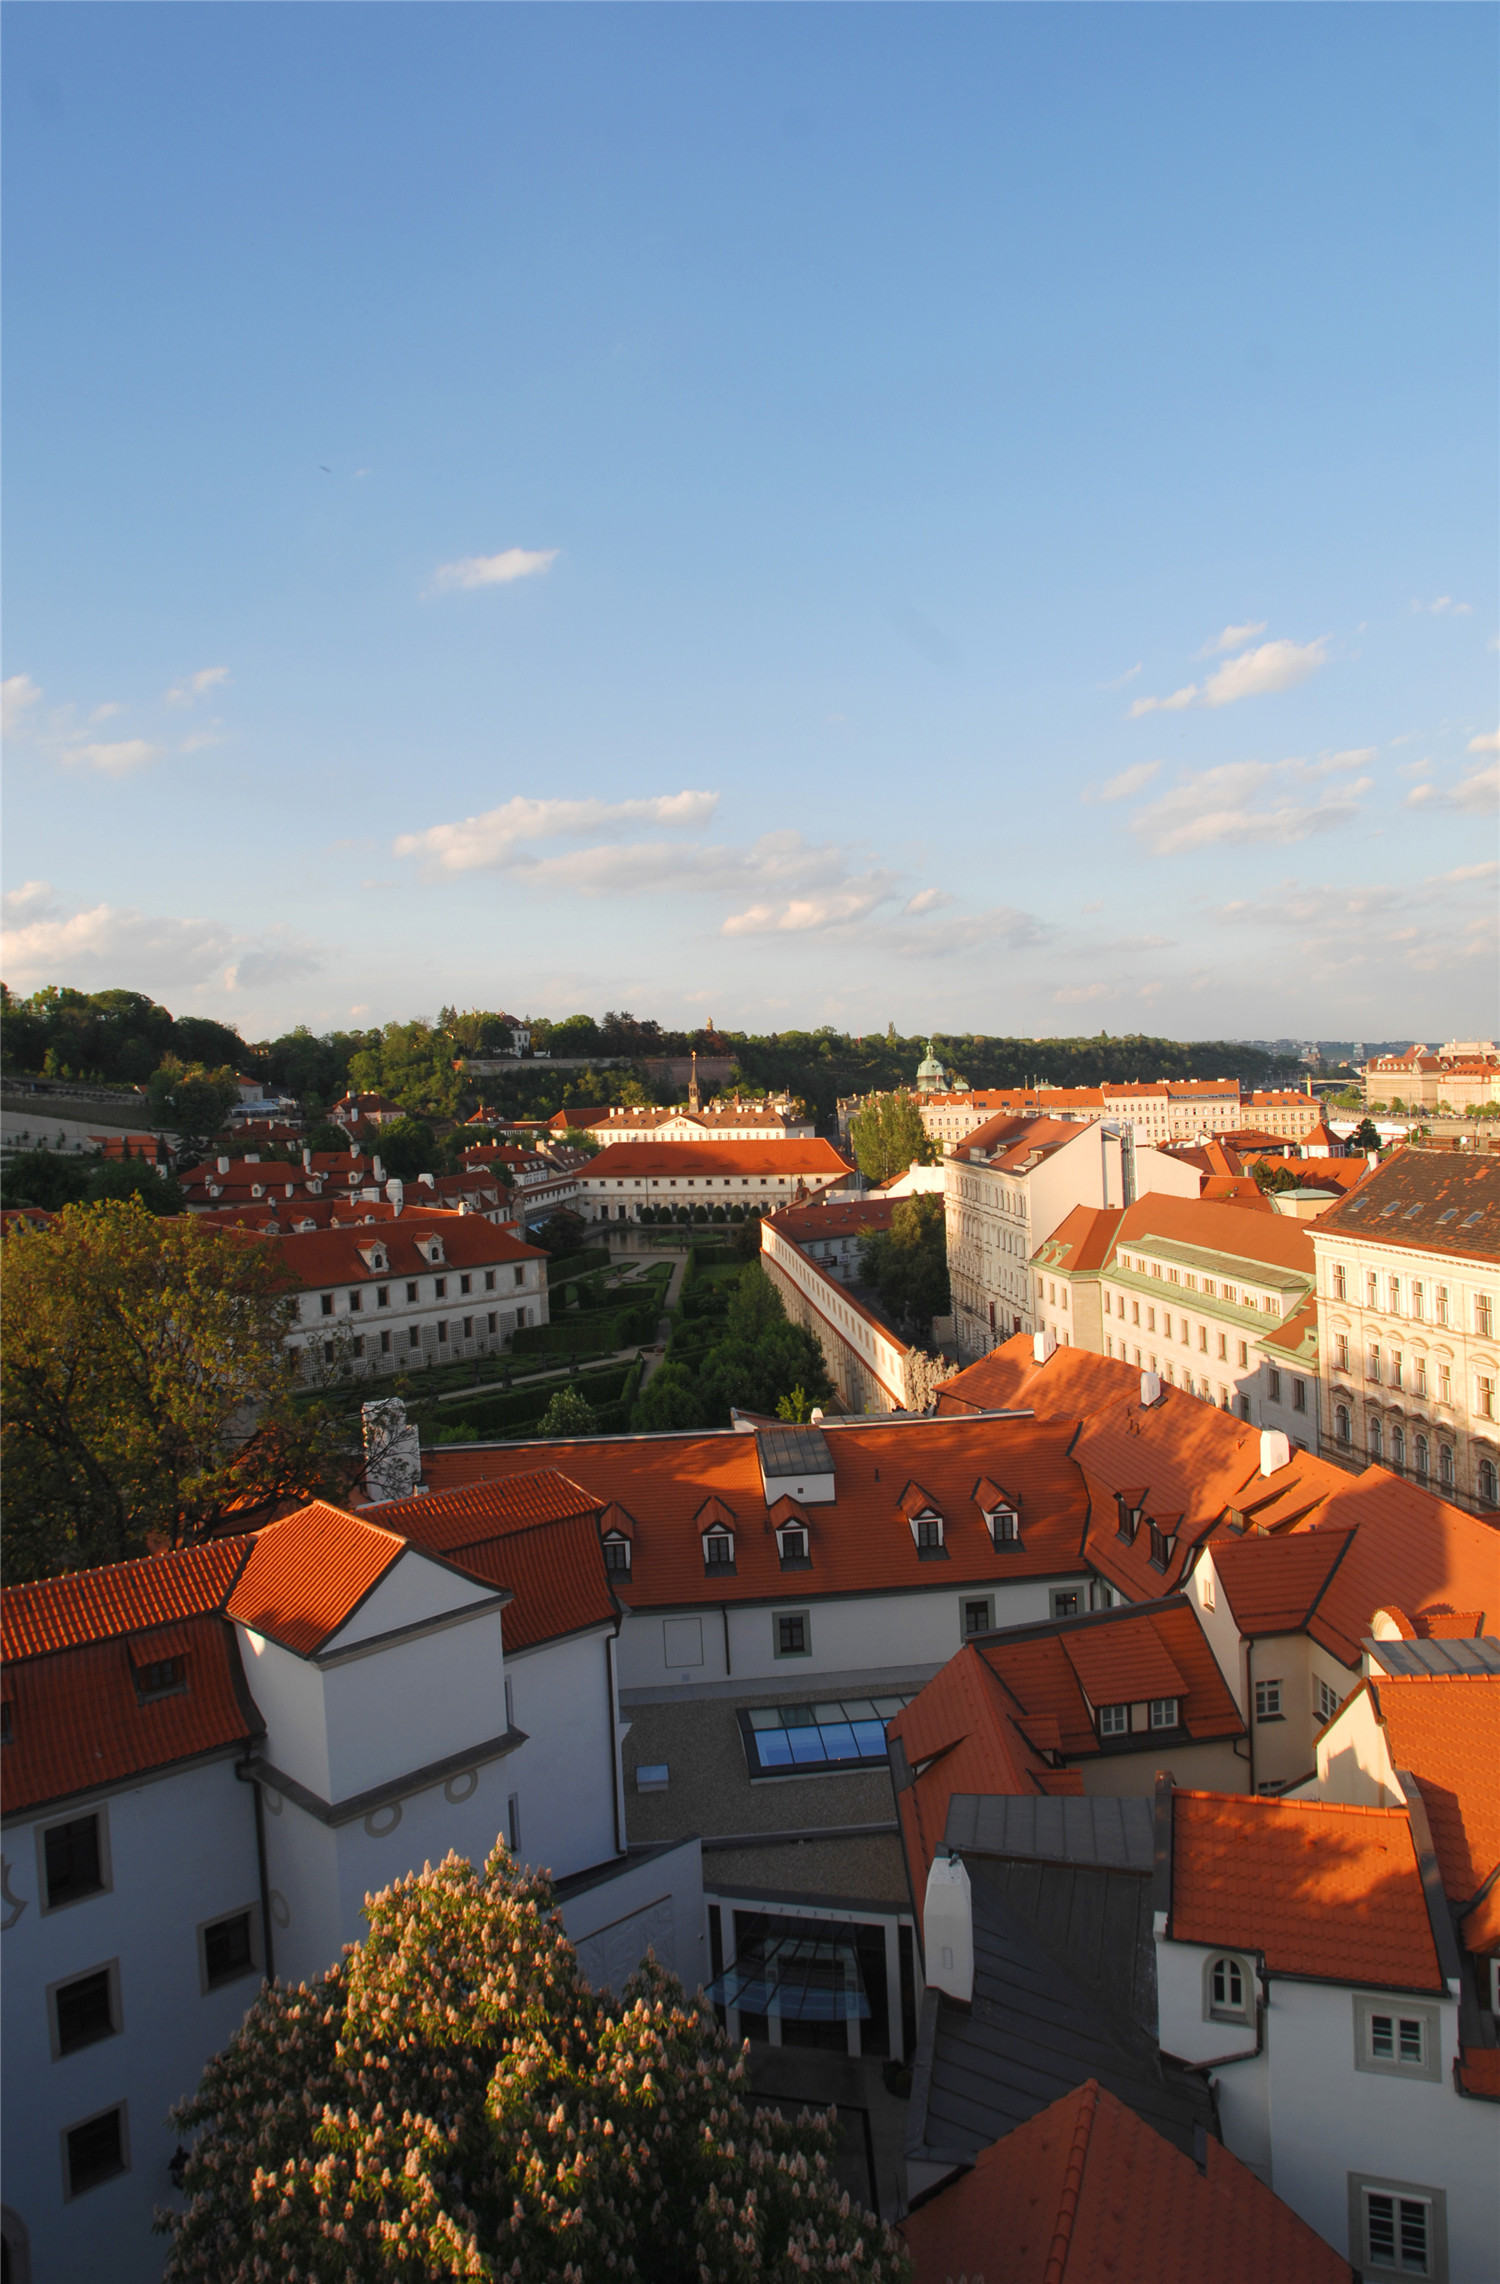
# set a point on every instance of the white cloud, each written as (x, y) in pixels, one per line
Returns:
(1444, 607)
(1244, 802)
(1120, 680)
(1464, 872)
(116, 759)
(1172, 705)
(41, 943)
(19, 694)
(926, 900)
(1254, 674)
(1231, 637)
(496, 840)
(1488, 741)
(1081, 991)
(1129, 781)
(801, 914)
(1474, 796)
(492, 570)
(196, 685)
(199, 741)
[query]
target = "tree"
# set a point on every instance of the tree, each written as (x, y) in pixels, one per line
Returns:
(908, 1264)
(1273, 1177)
(407, 1148)
(146, 1387)
(569, 1413)
(452, 2099)
(888, 1137)
(191, 1099)
(668, 1400)
(52, 1179)
(412, 1063)
(1366, 1135)
(562, 1233)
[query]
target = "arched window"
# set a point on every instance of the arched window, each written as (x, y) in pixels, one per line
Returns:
(1422, 1455)
(1341, 1422)
(1445, 1465)
(1375, 1439)
(1487, 1482)
(1398, 1447)
(1226, 1988)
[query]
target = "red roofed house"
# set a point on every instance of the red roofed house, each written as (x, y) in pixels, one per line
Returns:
(1306, 1958)
(627, 1176)
(1009, 1185)
(213, 1756)
(400, 1293)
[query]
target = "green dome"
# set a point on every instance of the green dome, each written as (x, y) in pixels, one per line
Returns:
(931, 1077)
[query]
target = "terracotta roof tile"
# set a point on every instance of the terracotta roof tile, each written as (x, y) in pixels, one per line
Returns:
(1445, 1728)
(799, 1159)
(308, 1574)
(958, 1732)
(92, 1605)
(1323, 1891)
(1274, 1584)
(1086, 2190)
(1479, 2072)
(537, 1534)
(1426, 1198)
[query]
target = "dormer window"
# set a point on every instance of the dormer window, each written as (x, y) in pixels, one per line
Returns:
(1159, 1548)
(1005, 1526)
(792, 1545)
(163, 1677)
(1164, 1712)
(617, 1554)
(1129, 1519)
(718, 1550)
(1114, 1720)
(927, 1530)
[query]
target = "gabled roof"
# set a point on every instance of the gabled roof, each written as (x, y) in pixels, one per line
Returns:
(1124, 1656)
(1210, 1227)
(792, 1157)
(1086, 2190)
(1082, 1241)
(1445, 1729)
(309, 1573)
(840, 1217)
(862, 1543)
(1275, 1585)
(537, 1534)
(121, 1598)
(1013, 1145)
(337, 1256)
(1321, 1891)
(957, 1736)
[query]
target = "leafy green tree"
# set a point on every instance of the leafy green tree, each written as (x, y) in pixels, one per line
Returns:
(1273, 1176)
(407, 1148)
(668, 1400)
(795, 1406)
(413, 1064)
(52, 1179)
(562, 1232)
(569, 1413)
(452, 2099)
(1366, 1135)
(888, 1137)
(908, 1264)
(146, 1387)
(191, 1099)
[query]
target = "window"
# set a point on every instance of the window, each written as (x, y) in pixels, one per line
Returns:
(1064, 1603)
(1395, 1296)
(1268, 1701)
(229, 1949)
(1445, 1465)
(1484, 1316)
(841, 1733)
(84, 2010)
(617, 1555)
(929, 1531)
(1163, 1712)
(792, 1545)
(442, 1330)
(382, 1296)
(1161, 1548)
(1419, 1376)
(440, 1288)
(75, 1861)
(718, 1550)
(1441, 1304)
(1273, 1384)
(1394, 2036)
(411, 1292)
(1397, 2228)
(519, 1275)
(489, 1280)
(1372, 1289)
(513, 1823)
(164, 1677)
(1375, 1439)
(1417, 1303)
(1484, 1395)
(1341, 1351)
(354, 1303)
(466, 1284)
(1397, 1368)
(1487, 1482)
(1114, 1720)
(793, 1637)
(1445, 1383)
(95, 2151)
(1223, 1349)
(414, 1336)
(1151, 1320)
(1325, 1702)
(978, 1615)
(1244, 1355)
(1398, 1445)
(1340, 1292)
(1005, 1526)
(1226, 1989)
(493, 1321)
(1421, 1456)
(328, 1352)
(325, 1302)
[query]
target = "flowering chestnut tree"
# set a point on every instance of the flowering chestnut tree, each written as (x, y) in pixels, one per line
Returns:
(451, 2099)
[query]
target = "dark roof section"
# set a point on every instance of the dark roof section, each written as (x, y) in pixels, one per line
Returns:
(1101, 1834)
(1037, 2028)
(1424, 1198)
(1480, 1654)
(793, 1451)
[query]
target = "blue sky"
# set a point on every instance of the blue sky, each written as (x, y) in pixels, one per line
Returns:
(981, 517)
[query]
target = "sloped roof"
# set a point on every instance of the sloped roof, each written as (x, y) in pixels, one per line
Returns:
(1437, 1201)
(861, 1541)
(1320, 1890)
(957, 1735)
(1274, 1585)
(840, 1217)
(1114, 1657)
(536, 1534)
(333, 1256)
(1445, 1728)
(1087, 2190)
(1213, 1227)
(121, 1598)
(1082, 1241)
(1008, 1143)
(635, 1161)
(308, 1574)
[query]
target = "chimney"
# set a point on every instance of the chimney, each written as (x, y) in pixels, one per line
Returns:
(948, 1930)
(1275, 1450)
(395, 1190)
(306, 1159)
(223, 1165)
(1150, 1389)
(426, 1181)
(379, 1169)
(1042, 1344)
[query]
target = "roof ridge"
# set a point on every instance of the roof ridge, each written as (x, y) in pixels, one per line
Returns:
(1072, 2187)
(1280, 1800)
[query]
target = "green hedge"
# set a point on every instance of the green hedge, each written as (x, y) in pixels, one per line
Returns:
(518, 1414)
(578, 1264)
(587, 1333)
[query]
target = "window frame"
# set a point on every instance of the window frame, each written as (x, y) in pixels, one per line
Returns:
(1269, 1693)
(111, 2109)
(780, 1618)
(100, 1815)
(968, 1602)
(107, 1967)
(1071, 1594)
(1366, 2006)
(207, 1985)
(1114, 1721)
(1226, 2011)
(1362, 2185)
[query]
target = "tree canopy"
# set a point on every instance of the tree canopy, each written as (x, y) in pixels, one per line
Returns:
(888, 1136)
(52, 1179)
(908, 1264)
(737, 1351)
(191, 1099)
(146, 1388)
(452, 2100)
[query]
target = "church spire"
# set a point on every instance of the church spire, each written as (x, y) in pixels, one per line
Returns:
(693, 1102)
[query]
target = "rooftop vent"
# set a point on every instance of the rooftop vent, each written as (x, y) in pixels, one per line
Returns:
(1042, 1344)
(795, 1463)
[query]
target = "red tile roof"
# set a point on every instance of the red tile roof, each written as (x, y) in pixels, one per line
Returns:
(308, 1574)
(94, 1605)
(839, 1217)
(959, 1735)
(860, 1543)
(1274, 1585)
(1082, 1241)
(1246, 1236)
(78, 1721)
(1427, 1199)
(1086, 2191)
(1117, 1657)
(1010, 1144)
(537, 1533)
(1328, 1892)
(808, 1159)
(334, 1257)
(1445, 1728)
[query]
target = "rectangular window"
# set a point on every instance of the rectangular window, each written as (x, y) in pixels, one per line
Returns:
(1114, 1720)
(382, 1296)
(978, 1616)
(1064, 1602)
(929, 1533)
(385, 1344)
(1372, 1366)
(414, 1336)
(1485, 1396)
(841, 1733)
(95, 2151)
(1268, 1701)
(1273, 1384)
(84, 2010)
(354, 1303)
(1484, 1316)
(1341, 1352)
(520, 1276)
(1223, 1349)
(466, 1284)
(1397, 2228)
(792, 1634)
(229, 1948)
(617, 1556)
(1442, 1304)
(1299, 1395)
(1417, 1303)
(489, 1280)
(1244, 1356)
(440, 1288)
(1163, 1712)
(74, 1861)
(411, 1292)
(1325, 1703)
(493, 1321)
(442, 1330)
(325, 1301)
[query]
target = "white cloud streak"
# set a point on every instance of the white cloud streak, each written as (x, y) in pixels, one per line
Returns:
(18, 694)
(194, 686)
(1476, 795)
(1242, 803)
(1488, 741)
(496, 840)
(1231, 637)
(492, 570)
(1444, 607)
(105, 944)
(1129, 781)
(119, 758)
(1254, 674)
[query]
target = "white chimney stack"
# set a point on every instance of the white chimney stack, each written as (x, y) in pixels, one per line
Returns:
(948, 1929)
(223, 1165)
(1042, 1344)
(1150, 1388)
(1275, 1450)
(395, 1190)
(379, 1170)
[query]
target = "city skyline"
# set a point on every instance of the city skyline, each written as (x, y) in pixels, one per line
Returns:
(978, 519)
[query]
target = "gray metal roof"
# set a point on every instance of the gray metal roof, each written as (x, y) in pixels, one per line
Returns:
(1105, 1834)
(793, 1451)
(1471, 1653)
(1037, 2028)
